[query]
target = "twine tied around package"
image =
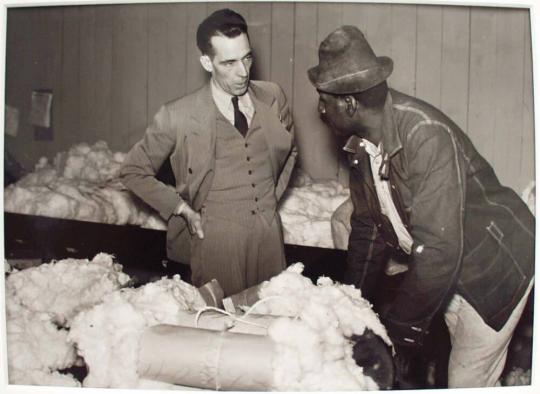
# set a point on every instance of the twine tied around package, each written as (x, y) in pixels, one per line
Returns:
(233, 316)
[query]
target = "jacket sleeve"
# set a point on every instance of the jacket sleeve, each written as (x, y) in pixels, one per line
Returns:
(138, 172)
(437, 187)
(286, 119)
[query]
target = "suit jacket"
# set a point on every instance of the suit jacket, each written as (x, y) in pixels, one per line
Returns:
(184, 130)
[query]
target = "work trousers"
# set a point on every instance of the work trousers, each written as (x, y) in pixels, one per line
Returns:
(478, 352)
(238, 254)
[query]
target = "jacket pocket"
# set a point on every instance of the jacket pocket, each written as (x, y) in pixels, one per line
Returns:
(491, 275)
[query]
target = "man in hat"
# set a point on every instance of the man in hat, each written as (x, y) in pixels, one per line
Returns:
(423, 195)
(231, 149)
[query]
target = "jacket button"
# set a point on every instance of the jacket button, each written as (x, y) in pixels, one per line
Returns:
(248, 158)
(190, 170)
(253, 212)
(250, 172)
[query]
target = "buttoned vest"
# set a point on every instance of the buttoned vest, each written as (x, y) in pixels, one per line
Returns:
(243, 185)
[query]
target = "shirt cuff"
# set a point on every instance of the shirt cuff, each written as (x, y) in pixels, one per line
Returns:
(180, 208)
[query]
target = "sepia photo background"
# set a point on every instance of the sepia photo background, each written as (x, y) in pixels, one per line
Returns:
(110, 67)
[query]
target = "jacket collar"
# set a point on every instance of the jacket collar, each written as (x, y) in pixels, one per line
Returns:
(205, 110)
(390, 137)
(391, 142)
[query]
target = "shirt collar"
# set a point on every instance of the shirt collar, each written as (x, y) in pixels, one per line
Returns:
(354, 143)
(223, 99)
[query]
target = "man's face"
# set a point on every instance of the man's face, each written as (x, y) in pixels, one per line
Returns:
(333, 110)
(231, 63)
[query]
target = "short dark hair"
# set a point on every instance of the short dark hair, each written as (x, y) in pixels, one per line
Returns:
(223, 22)
(374, 97)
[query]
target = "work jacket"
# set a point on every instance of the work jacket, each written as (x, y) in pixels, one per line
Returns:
(471, 235)
(184, 130)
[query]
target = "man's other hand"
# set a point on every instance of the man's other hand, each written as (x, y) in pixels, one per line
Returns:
(193, 220)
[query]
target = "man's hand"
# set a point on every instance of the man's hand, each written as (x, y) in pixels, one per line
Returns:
(405, 366)
(193, 220)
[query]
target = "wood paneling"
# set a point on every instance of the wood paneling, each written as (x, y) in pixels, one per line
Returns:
(103, 71)
(403, 48)
(130, 73)
(282, 47)
(482, 77)
(308, 124)
(428, 53)
(455, 64)
(508, 95)
(527, 142)
(112, 66)
(196, 76)
(167, 48)
(259, 19)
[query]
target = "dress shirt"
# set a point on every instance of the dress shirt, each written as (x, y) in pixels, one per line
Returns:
(382, 186)
(225, 105)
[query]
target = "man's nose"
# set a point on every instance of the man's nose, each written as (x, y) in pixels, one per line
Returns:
(242, 69)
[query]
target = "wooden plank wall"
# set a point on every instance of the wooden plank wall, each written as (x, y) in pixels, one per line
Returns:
(112, 66)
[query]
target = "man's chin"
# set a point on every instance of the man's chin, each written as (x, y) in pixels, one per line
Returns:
(241, 91)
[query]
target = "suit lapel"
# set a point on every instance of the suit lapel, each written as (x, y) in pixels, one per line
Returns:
(269, 121)
(201, 143)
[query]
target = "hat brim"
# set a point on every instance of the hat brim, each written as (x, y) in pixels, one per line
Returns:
(355, 82)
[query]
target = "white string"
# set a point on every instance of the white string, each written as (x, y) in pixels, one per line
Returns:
(233, 316)
(260, 302)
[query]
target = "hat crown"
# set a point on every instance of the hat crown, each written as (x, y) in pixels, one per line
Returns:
(347, 47)
(347, 63)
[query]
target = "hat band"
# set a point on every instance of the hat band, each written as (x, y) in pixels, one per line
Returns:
(347, 76)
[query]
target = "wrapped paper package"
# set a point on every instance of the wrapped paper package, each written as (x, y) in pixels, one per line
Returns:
(207, 359)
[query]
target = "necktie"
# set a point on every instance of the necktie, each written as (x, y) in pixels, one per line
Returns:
(240, 121)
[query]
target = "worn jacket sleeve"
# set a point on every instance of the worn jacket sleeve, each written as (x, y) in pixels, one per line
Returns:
(437, 187)
(138, 172)
(286, 119)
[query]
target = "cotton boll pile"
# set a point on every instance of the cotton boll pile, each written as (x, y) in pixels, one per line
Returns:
(80, 184)
(92, 163)
(313, 349)
(37, 348)
(64, 288)
(306, 209)
(40, 303)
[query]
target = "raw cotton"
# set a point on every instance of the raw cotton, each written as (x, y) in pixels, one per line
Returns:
(65, 287)
(80, 184)
(38, 301)
(306, 209)
(34, 343)
(313, 349)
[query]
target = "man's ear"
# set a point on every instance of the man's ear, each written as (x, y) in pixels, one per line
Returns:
(206, 63)
(351, 105)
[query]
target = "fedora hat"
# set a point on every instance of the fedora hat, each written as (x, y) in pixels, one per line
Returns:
(347, 63)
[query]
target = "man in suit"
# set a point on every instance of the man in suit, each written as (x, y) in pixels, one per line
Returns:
(423, 195)
(231, 148)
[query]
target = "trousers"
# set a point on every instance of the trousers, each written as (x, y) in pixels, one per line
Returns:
(478, 353)
(239, 256)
